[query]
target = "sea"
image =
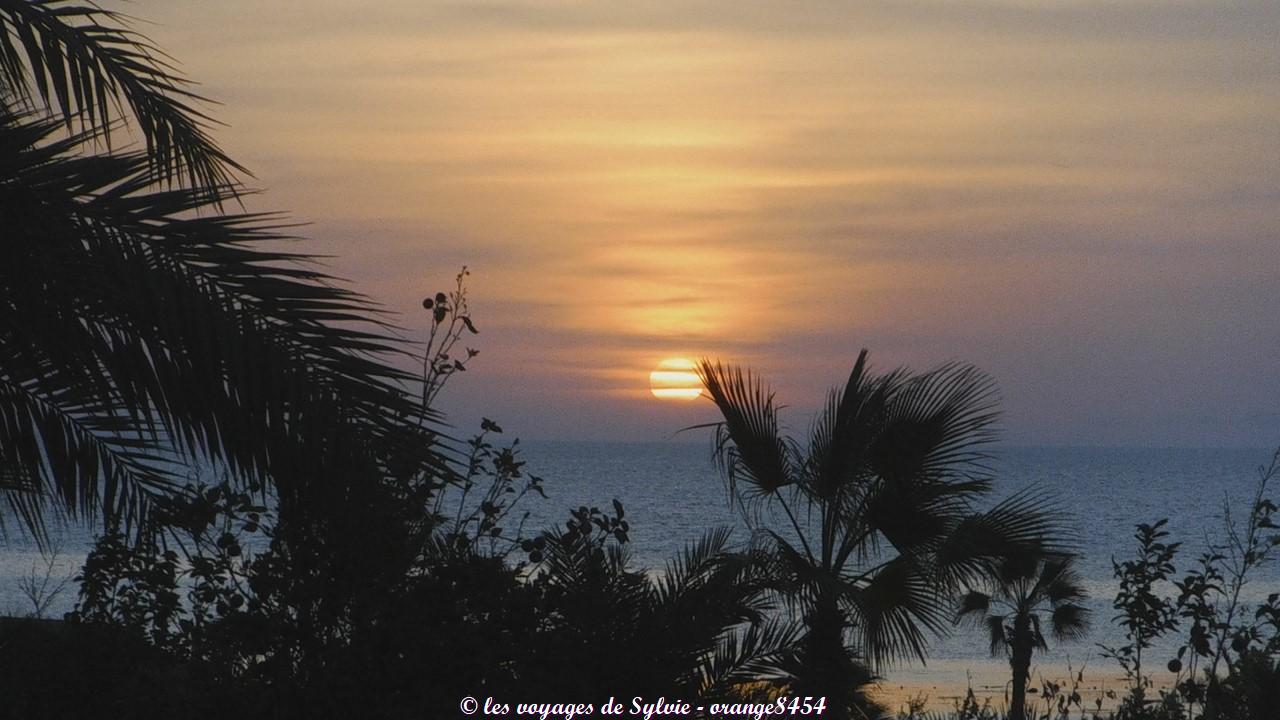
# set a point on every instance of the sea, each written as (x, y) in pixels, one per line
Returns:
(672, 493)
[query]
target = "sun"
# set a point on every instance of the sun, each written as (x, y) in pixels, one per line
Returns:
(675, 379)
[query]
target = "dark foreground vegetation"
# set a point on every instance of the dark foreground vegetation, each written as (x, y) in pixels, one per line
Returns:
(348, 556)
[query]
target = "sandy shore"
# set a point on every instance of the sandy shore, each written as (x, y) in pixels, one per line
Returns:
(944, 684)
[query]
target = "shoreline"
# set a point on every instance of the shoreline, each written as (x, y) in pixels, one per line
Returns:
(945, 685)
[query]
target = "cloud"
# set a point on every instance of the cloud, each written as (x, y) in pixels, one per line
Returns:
(1080, 196)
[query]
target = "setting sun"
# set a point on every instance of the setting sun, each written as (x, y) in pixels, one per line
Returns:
(675, 378)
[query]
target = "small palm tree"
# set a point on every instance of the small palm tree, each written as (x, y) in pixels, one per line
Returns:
(1022, 590)
(877, 506)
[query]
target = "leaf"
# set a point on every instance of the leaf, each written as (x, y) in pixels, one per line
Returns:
(84, 61)
(145, 327)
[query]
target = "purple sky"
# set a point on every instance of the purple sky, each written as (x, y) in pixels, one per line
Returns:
(1082, 198)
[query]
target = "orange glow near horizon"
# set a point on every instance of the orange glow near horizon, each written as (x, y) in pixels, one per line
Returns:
(1078, 197)
(675, 379)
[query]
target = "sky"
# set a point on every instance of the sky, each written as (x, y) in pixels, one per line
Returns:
(1081, 198)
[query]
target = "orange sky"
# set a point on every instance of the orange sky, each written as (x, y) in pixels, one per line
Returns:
(1080, 197)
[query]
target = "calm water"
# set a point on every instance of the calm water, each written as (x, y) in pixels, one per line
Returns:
(672, 493)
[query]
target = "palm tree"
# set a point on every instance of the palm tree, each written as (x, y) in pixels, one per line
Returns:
(876, 508)
(141, 324)
(1023, 589)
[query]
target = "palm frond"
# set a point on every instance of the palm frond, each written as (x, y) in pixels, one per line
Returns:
(979, 546)
(748, 655)
(895, 612)
(1059, 581)
(188, 334)
(996, 632)
(749, 446)
(843, 429)
(56, 442)
(85, 65)
(695, 566)
(937, 426)
(1069, 621)
(912, 514)
(972, 605)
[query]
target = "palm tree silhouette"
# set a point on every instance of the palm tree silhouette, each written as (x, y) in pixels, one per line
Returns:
(142, 325)
(876, 507)
(1023, 589)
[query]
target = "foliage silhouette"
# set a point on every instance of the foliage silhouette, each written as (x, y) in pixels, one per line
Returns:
(293, 631)
(698, 630)
(138, 335)
(84, 65)
(1024, 588)
(1145, 614)
(880, 529)
(1226, 665)
(340, 603)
